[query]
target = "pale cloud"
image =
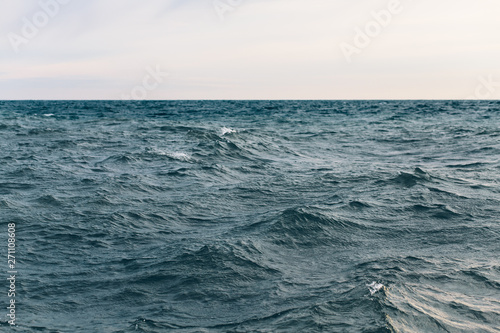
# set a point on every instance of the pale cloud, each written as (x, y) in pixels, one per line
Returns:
(263, 49)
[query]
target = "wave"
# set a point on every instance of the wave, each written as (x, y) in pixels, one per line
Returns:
(223, 149)
(418, 307)
(411, 179)
(9, 188)
(472, 165)
(422, 295)
(119, 159)
(436, 211)
(49, 200)
(199, 274)
(226, 130)
(178, 156)
(309, 227)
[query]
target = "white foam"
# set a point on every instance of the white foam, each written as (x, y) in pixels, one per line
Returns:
(374, 287)
(179, 156)
(49, 115)
(175, 155)
(226, 130)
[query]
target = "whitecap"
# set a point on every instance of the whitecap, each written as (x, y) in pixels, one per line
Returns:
(226, 130)
(180, 156)
(374, 287)
(49, 115)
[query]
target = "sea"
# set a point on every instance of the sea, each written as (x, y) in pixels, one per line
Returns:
(250, 216)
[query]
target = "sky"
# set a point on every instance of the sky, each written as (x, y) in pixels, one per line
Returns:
(249, 49)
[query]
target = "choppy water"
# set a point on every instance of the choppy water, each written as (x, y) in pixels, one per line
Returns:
(253, 216)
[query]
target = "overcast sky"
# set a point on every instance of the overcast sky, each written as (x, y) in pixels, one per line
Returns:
(249, 49)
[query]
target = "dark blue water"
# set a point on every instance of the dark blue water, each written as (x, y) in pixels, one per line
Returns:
(252, 216)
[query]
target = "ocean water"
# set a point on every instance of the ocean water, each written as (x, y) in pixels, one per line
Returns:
(252, 216)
